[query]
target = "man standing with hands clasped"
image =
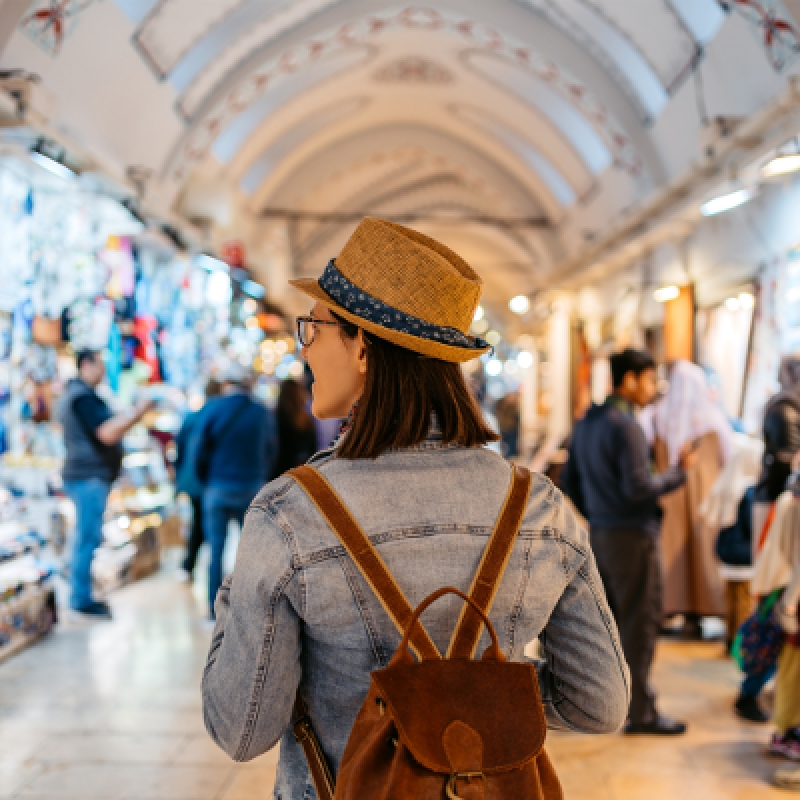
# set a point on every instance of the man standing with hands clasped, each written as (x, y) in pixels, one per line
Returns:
(93, 437)
(608, 478)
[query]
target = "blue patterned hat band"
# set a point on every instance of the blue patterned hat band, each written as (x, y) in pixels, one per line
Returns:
(369, 308)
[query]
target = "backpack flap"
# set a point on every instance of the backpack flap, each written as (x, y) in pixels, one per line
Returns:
(498, 700)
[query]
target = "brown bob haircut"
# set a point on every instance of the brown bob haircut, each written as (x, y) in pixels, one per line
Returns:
(402, 390)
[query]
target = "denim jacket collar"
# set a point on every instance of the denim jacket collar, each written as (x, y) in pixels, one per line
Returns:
(433, 441)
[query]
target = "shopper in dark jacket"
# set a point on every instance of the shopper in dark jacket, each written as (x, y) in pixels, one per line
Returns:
(187, 481)
(92, 437)
(781, 432)
(297, 437)
(235, 452)
(608, 478)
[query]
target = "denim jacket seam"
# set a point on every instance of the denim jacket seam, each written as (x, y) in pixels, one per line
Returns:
(516, 609)
(582, 552)
(284, 525)
(254, 706)
(419, 532)
(583, 573)
(276, 496)
(361, 603)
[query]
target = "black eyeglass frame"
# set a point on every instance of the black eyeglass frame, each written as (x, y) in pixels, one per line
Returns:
(311, 321)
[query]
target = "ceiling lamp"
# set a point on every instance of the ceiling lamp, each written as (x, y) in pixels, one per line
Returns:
(493, 337)
(666, 294)
(725, 202)
(493, 367)
(519, 304)
(480, 327)
(747, 300)
(781, 165)
(525, 359)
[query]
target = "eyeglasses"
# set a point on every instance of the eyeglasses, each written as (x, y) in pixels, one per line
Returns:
(307, 329)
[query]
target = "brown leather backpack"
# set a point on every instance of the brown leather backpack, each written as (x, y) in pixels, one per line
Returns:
(437, 728)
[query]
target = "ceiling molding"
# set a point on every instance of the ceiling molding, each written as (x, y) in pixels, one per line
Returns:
(474, 34)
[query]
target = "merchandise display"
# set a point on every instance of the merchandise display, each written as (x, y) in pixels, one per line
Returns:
(30, 534)
(84, 272)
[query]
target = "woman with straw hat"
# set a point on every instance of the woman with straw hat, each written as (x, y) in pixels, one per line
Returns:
(384, 340)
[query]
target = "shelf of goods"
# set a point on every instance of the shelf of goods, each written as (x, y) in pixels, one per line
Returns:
(139, 514)
(27, 594)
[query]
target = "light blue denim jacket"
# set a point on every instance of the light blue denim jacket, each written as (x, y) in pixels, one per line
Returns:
(297, 611)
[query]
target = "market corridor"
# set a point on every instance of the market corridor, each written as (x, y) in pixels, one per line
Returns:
(113, 711)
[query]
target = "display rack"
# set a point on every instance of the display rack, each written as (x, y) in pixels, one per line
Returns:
(27, 595)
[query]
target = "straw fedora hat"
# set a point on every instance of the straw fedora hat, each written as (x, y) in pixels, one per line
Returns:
(405, 288)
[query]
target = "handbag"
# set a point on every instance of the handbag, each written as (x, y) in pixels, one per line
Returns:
(437, 727)
(759, 640)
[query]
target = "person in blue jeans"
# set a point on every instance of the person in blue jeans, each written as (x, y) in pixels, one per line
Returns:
(236, 447)
(92, 437)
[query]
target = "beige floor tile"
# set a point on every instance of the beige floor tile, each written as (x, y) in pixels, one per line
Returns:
(251, 784)
(666, 786)
(269, 759)
(14, 775)
(93, 781)
(114, 748)
(177, 783)
(156, 720)
(202, 750)
(115, 712)
(734, 759)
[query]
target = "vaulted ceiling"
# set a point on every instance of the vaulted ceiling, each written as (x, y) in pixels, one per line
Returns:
(515, 130)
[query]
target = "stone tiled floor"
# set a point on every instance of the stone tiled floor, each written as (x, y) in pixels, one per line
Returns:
(113, 711)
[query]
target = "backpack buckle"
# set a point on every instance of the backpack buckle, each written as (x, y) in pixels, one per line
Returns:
(461, 776)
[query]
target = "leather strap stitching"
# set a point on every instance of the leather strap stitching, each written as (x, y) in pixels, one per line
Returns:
(365, 556)
(490, 571)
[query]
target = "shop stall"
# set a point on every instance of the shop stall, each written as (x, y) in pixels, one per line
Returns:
(32, 535)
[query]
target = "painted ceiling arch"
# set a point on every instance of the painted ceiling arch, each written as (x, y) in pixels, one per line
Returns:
(242, 90)
(578, 101)
(398, 169)
(473, 145)
(552, 169)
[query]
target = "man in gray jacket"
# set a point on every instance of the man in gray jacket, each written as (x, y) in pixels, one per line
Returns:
(92, 436)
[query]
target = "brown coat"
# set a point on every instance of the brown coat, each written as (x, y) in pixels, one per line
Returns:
(692, 583)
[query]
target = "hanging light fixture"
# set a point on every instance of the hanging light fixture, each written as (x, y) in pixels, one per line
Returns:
(519, 304)
(781, 165)
(665, 294)
(726, 202)
(786, 161)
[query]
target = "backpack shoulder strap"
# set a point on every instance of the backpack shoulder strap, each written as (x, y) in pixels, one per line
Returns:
(366, 557)
(493, 564)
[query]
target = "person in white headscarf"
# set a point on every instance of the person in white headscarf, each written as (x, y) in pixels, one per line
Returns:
(687, 416)
(687, 412)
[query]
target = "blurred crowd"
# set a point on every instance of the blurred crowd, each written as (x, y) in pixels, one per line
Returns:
(691, 521)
